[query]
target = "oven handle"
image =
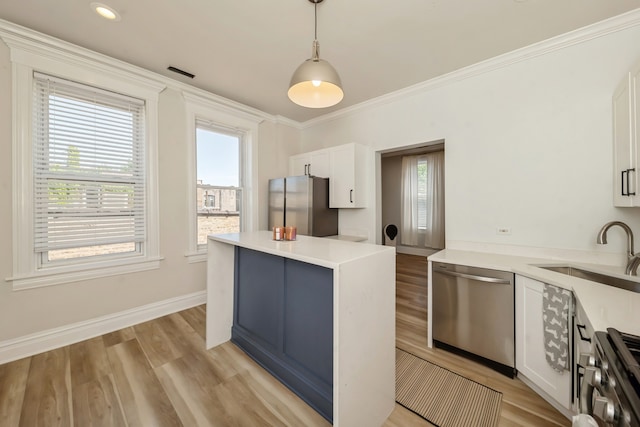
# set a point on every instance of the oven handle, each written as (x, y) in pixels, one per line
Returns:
(580, 329)
(474, 277)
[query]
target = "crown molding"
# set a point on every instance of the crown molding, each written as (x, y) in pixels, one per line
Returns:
(215, 102)
(282, 120)
(26, 39)
(581, 35)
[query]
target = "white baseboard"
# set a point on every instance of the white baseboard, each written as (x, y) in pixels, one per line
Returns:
(29, 345)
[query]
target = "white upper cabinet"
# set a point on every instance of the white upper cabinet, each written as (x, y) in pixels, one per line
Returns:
(315, 163)
(625, 140)
(347, 180)
(346, 168)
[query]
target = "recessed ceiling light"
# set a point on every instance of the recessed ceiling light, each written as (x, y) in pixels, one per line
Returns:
(105, 11)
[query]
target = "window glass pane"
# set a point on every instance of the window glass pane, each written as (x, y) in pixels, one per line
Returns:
(218, 186)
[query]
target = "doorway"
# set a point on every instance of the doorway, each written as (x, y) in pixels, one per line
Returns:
(395, 187)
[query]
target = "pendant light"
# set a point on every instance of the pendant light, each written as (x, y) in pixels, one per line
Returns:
(315, 83)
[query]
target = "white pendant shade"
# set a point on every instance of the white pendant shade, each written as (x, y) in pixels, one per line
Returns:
(315, 84)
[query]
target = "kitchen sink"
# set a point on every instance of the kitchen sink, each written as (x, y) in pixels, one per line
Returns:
(605, 279)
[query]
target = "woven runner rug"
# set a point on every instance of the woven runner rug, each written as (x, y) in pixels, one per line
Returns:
(442, 397)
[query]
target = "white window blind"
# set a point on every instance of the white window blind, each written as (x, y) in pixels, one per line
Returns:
(89, 177)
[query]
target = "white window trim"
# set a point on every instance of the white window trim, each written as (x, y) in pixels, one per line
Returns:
(53, 57)
(199, 107)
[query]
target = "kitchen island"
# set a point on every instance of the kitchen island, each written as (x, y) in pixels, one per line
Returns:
(319, 314)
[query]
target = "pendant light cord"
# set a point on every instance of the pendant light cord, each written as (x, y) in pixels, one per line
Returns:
(315, 13)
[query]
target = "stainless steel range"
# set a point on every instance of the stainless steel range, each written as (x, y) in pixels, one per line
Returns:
(610, 389)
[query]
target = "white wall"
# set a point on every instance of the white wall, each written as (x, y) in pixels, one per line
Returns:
(528, 147)
(29, 315)
(274, 160)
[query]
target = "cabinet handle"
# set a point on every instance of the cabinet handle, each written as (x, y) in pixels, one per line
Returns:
(350, 196)
(309, 170)
(306, 165)
(629, 193)
(622, 193)
(580, 329)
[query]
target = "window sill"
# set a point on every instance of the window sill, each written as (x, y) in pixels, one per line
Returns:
(60, 276)
(194, 257)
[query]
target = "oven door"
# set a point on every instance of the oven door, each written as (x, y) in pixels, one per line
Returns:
(601, 395)
(582, 352)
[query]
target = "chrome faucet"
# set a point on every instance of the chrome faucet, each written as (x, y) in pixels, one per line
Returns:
(633, 261)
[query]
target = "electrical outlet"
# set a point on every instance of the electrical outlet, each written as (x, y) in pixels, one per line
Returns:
(505, 231)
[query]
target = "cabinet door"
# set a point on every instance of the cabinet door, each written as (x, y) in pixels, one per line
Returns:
(299, 164)
(624, 168)
(530, 351)
(348, 176)
(308, 318)
(258, 295)
(314, 163)
(319, 164)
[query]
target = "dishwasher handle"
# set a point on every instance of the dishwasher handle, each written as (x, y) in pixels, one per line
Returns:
(474, 277)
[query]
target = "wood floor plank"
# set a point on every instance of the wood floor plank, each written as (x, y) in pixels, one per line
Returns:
(47, 399)
(156, 344)
(190, 381)
(143, 399)
(282, 401)
(96, 404)
(119, 336)
(197, 318)
(242, 406)
(13, 383)
(88, 361)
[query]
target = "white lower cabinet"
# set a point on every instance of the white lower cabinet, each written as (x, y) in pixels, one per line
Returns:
(530, 352)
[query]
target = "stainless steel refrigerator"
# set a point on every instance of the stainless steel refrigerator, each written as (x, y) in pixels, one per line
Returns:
(302, 202)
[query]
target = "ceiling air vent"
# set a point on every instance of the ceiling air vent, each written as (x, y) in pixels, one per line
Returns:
(179, 71)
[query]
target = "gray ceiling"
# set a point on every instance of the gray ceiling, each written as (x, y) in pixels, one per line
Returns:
(246, 50)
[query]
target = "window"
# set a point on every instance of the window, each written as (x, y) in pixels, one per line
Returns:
(422, 208)
(222, 191)
(84, 166)
(424, 204)
(89, 184)
(218, 181)
(210, 200)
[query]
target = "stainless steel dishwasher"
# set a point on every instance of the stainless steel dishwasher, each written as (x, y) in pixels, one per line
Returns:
(473, 314)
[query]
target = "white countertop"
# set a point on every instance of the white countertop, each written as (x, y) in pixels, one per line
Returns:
(604, 305)
(328, 253)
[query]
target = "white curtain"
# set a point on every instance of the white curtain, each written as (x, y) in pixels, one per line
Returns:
(434, 233)
(422, 210)
(409, 212)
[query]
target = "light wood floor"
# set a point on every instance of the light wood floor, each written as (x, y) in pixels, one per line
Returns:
(158, 373)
